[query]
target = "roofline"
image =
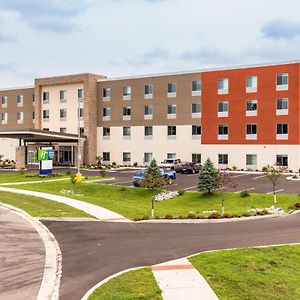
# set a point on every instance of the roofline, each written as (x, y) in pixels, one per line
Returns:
(69, 75)
(17, 88)
(201, 71)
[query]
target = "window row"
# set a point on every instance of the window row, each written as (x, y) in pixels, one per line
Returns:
(148, 111)
(19, 101)
(251, 83)
(19, 117)
(62, 113)
(63, 96)
(196, 87)
(148, 131)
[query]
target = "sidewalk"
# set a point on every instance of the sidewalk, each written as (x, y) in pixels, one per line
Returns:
(98, 212)
(178, 280)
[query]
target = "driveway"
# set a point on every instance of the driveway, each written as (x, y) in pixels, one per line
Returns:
(92, 251)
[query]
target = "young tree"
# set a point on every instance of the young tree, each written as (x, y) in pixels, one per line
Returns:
(153, 180)
(226, 182)
(209, 178)
(274, 174)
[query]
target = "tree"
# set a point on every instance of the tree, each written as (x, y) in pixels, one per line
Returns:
(209, 178)
(226, 182)
(274, 174)
(153, 180)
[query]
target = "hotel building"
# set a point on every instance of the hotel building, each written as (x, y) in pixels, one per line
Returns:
(246, 117)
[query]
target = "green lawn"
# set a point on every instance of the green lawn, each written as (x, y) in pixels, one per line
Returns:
(271, 273)
(22, 177)
(39, 207)
(139, 284)
(132, 202)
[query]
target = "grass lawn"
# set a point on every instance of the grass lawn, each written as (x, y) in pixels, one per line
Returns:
(22, 177)
(132, 202)
(139, 284)
(39, 207)
(255, 273)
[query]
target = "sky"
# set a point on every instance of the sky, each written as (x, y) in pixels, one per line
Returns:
(134, 37)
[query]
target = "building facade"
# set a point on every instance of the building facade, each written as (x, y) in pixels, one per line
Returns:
(245, 117)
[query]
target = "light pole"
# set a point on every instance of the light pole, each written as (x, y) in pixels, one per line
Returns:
(78, 140)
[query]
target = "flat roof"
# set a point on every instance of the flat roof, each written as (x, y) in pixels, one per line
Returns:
(36, 135)
(200, 71)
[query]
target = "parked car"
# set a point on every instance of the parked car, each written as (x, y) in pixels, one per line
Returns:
(138, 177)
(171, 164)
(190, 167)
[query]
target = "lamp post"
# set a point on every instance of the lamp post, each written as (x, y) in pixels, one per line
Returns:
(78, 138)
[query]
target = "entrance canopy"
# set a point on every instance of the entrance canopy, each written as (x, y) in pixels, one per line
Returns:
(39, 136)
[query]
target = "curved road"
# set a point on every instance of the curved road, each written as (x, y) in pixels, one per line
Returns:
(92, 251)
(22, 258)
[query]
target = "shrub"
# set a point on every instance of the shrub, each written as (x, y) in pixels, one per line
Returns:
(157, 217)
(102, 173)
(292, 207)
(297, 205)
(114, 164)
(168, 216)
(145, 217)
(244, 194)
(264, 169)
(181, 192)
(215, 215)
(191, 216)
(72, 179)
(181, 217)
(138, 218)
(234, 168)
(228, 216)
(262, 212)
(123, 188)
(135, 164)
(247, 214)
(68, 172)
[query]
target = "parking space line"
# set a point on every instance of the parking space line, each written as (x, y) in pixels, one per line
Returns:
(275, 191)
(122, 182)
(240, 175)
(259, 177)
(192, 175)
(245, 190)
(190, 188)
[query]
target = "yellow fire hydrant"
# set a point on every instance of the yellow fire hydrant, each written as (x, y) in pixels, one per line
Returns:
(78, 177)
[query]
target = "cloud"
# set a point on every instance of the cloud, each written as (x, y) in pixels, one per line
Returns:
(52, 15)
(281, 29)
(149, 57)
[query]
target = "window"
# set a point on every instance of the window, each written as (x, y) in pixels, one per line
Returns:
(148, 110)
(46, 114)
(106, 113)
(223, 109)
(196, 130)
(46, 129)
(223, 86)
(19, 117)
(172, 109)
(126, 131)
(251, 129)
(81, 131)
(282, 128)
(171, 87)
(80, 94)
(62, 130)
(148, 156)
(251, 107)
(251, 84)
(282, 81)
(45, 97)
(33, 115)
(251, 160)
(196, 108)
(171, 130)
(81, 112)
(106, 93)
(196, 158)
(127, 111)
(171, 155)
(4, 101)
(223, 159)
(106, 156)
(148, 130)
(20, 100)
(196, 86)
(148, 89)
(282, 106)
(126, 156)
(63, 113)
(223, 132)
(4, 117)
(63, 96)
(106, 131)
(127, 91)
(282, 160)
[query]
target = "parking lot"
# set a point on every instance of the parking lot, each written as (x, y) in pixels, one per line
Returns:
(254, 182)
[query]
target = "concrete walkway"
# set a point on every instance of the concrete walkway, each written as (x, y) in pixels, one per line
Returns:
(22, 257)
(100, 213)
(178, 279)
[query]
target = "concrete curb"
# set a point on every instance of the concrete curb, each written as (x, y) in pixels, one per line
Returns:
(49, 288)
(91, 290)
